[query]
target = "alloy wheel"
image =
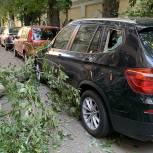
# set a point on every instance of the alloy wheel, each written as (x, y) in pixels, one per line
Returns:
(38, 73)
(91, 113)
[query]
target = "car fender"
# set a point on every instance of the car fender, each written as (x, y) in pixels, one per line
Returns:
(99, 90)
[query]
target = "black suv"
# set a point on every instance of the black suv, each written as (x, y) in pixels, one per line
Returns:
(111, 62)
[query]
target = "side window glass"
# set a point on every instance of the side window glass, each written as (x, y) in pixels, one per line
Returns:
(83, 38)
(114, 39)
(36, 33)
(95, 44)
(63, 38)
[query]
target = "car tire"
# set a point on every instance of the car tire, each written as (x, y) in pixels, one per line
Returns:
(38, 72)
(2, 45)
(25, 56)
(6, 48)
(93, 114)
(15, 53)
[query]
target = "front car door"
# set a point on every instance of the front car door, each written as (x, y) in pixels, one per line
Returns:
(76, 59)
(60, 44)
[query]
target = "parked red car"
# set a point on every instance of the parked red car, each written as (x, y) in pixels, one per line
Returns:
(31, 37)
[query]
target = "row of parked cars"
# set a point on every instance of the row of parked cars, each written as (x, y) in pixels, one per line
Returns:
(111, 62)
(23, 41)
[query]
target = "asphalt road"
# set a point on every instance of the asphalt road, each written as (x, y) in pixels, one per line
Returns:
(79, 140)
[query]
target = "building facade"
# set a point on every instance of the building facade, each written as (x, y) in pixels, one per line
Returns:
(90, 9)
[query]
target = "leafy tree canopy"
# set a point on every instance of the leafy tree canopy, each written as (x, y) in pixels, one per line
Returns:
(29, 11)
(22, 8)
(141, 8)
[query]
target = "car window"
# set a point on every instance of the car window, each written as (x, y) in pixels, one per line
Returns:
(114, 39)
(95, 44)
(146, 36)
(13, 30)
(63, 37)
(36, 34)
(83, 38)
(44, 33)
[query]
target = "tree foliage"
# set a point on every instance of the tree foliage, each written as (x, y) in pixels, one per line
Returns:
(141, 8)
(31, 125)
(29, 11)
(26, 11)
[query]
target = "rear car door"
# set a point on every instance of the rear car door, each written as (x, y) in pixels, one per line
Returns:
(114, 61)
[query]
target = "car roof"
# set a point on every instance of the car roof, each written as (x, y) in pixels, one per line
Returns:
(42, 27)
(144, 22)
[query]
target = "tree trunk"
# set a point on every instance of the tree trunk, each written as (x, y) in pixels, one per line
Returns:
(110, 8)
(39, 20)
(53, 13)
(132, 2)
(66, 18)
(26, 19)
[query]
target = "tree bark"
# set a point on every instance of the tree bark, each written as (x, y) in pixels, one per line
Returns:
(110, 8)
(66, 18)
(53, 13)
(26, 19)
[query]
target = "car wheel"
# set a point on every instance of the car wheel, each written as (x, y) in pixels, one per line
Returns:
(94, 115)
(25, 56)
(2, 45)
(38, 72)
(15, 53)
(6, 47)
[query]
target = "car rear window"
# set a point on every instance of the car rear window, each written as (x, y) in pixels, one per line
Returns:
(44, 34)
(14, 30)
(146, 36)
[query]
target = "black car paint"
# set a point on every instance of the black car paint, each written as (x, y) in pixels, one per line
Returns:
(104, 73)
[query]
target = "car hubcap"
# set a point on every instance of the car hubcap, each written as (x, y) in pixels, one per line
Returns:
(38, 75)
(91, 113)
